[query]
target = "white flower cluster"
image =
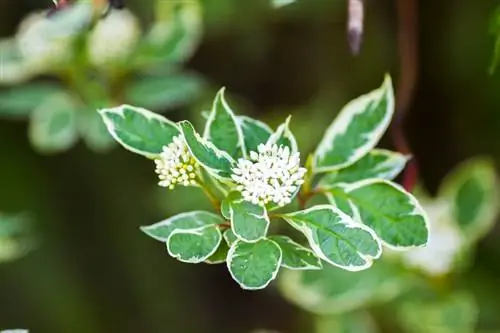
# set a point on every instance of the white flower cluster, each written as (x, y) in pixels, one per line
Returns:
(445, 242)
(176, 165)
(271, 175)
(114, 38)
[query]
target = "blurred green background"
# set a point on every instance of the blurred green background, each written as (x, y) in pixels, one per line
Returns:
(94, 271)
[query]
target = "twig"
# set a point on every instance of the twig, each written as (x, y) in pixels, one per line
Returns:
(408, 53)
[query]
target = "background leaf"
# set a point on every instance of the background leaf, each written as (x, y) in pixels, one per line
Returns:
(471, 189)
(164, 92)
(455, 313)
(53, 124)
(21, 101)
(333, 290)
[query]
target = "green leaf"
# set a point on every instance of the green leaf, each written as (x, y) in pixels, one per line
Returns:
(471, 190)
(249, 222)
(356, 322)
(220, 255)
(174, 37)
(283, 136)
(332, 290)
(378, 163)
(164, 92)
(394, 214)
(217, 162)
(53, 124)
(93, 131)
(21, 101)
(456, 313)
(185, 221)
(139, 130)
(296, 256)
(223, 129)
(281, 3)
(229, 237)
(356, 130)
(194, 245)
(336, 238)
(337, 197)
(254, 265)
(14, 70)
(255, 132)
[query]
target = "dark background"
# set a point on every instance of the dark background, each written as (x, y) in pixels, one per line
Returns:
(94, 271)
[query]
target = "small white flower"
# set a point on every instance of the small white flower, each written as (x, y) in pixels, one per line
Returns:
(272, 174)
(445, 242)
(176, 165)
(114, 38)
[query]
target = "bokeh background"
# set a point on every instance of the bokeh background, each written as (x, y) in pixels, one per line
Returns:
(94, 271)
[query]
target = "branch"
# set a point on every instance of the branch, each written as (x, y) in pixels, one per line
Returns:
(408, 52)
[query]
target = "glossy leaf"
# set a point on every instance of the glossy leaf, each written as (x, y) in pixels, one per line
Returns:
(217, 162)
(356, 130)
(249, 222)
(255, 132)
(185, 221)
(139, 130)
(222, 128)
(394, 214)
(254, 265)
(194, 245)
(296, 256)
(283, 136)
(220, 255)
(377, 163)
(335, 237)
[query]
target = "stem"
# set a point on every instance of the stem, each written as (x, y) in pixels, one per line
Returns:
(213, 199)
(408, 52)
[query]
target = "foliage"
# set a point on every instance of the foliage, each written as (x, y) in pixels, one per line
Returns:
(15, 237)
(252, 174)
(418, 283)
(100, 57)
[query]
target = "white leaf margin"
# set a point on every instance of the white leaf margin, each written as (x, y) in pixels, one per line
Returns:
(343, 119)
(170, 220)
(417, 208)
(229, 110)
(230, 257)
(197, 232)
(299, 247)
(350, 223)
(119, 110)
(264, 217)
(218, 152)
(283, 130)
